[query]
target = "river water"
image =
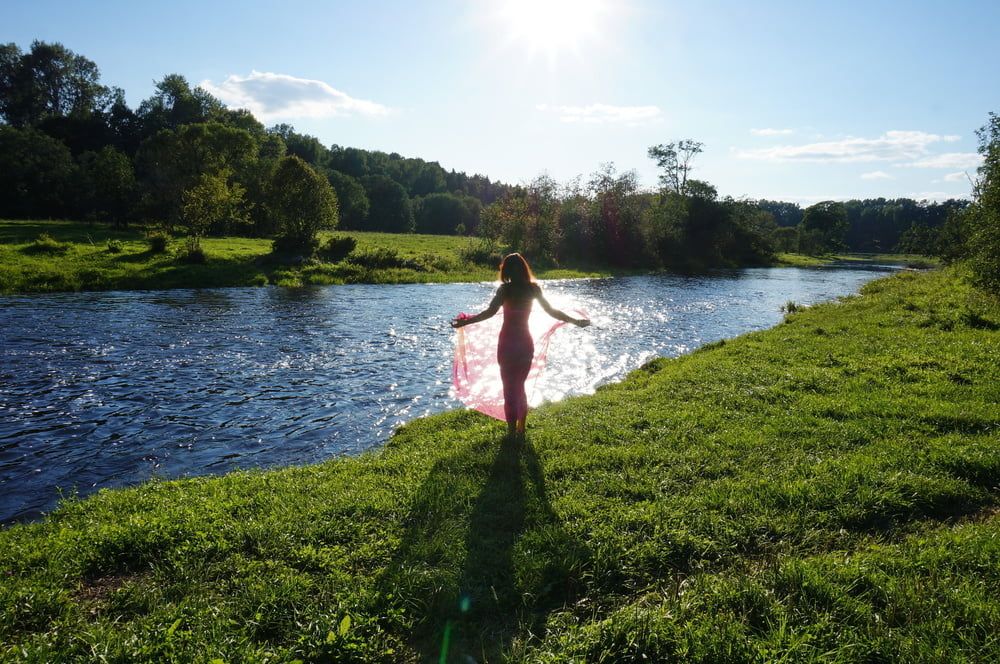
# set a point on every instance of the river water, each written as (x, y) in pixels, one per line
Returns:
(109, 389)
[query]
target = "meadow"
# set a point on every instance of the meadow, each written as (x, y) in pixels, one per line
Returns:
(83, 256)
(825, 490)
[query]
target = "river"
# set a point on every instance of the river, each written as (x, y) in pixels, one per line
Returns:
(110, 389)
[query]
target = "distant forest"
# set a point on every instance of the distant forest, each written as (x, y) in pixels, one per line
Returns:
(71, 147)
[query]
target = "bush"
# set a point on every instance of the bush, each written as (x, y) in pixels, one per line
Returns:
(158, 242)
(115, 246)
(382, 258)
(337, 248)
(193, 252)
(46, 244)
(485, 252)
(294, 245)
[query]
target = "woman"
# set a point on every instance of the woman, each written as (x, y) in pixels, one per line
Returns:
(515, 349)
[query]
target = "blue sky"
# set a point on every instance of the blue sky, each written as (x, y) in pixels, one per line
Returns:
(796, 101)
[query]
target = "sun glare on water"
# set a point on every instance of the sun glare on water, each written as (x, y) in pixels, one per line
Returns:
(552, 28)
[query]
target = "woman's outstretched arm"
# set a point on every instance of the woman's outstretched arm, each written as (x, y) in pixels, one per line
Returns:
(555, 313)
(488, 312)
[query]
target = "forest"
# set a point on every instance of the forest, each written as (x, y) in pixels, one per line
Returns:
(72, 148)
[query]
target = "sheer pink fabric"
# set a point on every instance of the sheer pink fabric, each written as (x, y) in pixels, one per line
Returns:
(485, 350)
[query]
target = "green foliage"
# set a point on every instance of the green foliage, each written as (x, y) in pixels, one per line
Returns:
(444, 213)
(381, 258)
(390, 209)
(352, 201)
(785, 496)
(46, 244)
(486, 252)
(36, 171)
(303, 203)
(337, 248)
(158, 241)
(211, 202)
(823, 227)
(192, 252)
(982, 219)
(231, 261)
(106, 186)
(115, 246)
(48, 82)
(675, 160)
(174, 161)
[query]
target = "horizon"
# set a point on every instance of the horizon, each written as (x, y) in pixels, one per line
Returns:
(517, 89)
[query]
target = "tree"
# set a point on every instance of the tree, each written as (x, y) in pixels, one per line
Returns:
(48, 81)
(36, 172)
(982, 218)
(824, 225)
(175, 104)
(390, 209)
(211, 202)
(106, 186)
(352, 201)
(172, 161)
(303, 203)
(441, 214)
(675, 161)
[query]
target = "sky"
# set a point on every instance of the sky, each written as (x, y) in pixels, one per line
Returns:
(797, 101)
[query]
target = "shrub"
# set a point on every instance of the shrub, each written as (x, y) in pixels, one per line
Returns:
(158, 241)
(46, 244)
(296, 245)
(115, 246)
(192, 252)
(382, 258)
(792, 307)
(337, 248)
(485, 252)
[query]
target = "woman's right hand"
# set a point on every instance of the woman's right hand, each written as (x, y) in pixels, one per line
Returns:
(582, 322)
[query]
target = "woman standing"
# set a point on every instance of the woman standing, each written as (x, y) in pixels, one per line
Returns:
(515, 348)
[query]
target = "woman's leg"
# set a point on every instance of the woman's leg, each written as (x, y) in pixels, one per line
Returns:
(515, 397)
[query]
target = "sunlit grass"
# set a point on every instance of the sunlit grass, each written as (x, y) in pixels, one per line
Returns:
(85, 263)
(825, 490)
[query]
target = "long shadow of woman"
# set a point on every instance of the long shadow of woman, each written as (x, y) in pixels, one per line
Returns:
(520, 563)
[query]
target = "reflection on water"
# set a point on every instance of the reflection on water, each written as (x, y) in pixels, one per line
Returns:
(108, 389)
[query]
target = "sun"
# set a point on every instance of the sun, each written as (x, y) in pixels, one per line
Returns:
(552, 27)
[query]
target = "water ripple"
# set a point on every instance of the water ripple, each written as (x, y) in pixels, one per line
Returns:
(109, 389)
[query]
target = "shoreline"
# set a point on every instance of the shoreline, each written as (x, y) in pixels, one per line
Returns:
(765, 479)
(86, 263)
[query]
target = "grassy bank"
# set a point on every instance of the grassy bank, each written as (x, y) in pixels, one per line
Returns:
(81, 260)
(825, 490)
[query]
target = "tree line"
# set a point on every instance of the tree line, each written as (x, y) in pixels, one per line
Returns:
(71, 147)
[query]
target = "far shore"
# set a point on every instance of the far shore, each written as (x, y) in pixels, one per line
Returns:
(97, 257)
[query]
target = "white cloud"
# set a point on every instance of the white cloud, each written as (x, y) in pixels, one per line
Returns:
(956, 177)
(605, 114)
(272, 96)
(935, 196)
(949, 160)
(891, 146)
(877, 175)
(771, 132)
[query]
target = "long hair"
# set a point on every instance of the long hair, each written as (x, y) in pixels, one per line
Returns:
(515, 270)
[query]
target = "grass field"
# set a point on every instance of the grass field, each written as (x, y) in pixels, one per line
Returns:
(826, 490)
(84, 261)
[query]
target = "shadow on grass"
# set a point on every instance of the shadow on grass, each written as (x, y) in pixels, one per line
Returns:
(482, 564)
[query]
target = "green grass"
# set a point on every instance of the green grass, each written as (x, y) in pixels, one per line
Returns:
(826, 490)
(81, 260)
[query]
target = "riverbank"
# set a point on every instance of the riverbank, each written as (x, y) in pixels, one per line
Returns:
(83, 259)
(825, 489)
(89, 257)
